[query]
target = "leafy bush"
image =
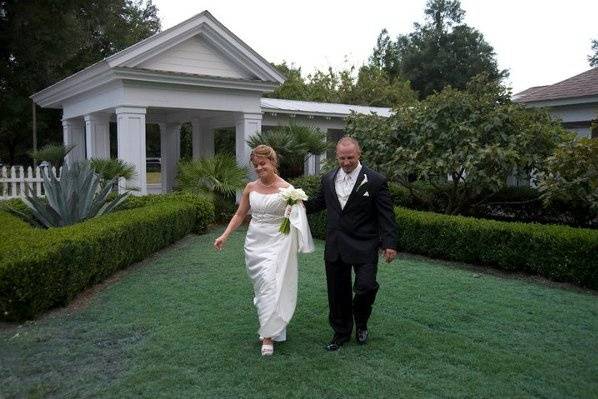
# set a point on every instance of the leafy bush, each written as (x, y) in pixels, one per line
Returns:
(560, 253)
(40, 269)
(477, 136)
(572, 176)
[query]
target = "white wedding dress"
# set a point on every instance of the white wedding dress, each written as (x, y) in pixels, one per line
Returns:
(271, 259)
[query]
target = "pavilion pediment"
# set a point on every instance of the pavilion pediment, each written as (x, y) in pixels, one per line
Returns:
(197, 56)
(197, 52)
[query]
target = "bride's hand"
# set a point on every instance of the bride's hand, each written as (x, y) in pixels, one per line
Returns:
(219, 243)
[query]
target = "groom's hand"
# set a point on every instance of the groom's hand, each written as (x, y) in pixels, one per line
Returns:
(389, 255)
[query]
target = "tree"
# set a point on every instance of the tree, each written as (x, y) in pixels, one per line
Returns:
(372, 86)
(477, 136)
(44, 42)
(385, 55)
(442, 52)
(593, 58)
(294, 87)
(376, 88)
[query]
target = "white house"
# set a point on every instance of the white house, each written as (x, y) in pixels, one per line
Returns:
(574, 101)
(197, 71)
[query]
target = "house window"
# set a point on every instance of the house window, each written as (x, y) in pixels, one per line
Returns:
(332, 136)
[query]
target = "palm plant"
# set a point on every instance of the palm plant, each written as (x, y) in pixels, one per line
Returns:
(75, 197)
(110, 170)
(217, 175)
(52, 153)
(293, 144)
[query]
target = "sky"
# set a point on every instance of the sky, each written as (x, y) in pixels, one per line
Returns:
(540, 42)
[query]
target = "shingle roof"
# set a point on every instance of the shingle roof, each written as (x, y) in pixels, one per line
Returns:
(311, 107)
(582, 85)
(527, 92)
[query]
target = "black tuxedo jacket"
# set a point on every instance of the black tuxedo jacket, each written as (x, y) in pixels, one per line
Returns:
(365, 224)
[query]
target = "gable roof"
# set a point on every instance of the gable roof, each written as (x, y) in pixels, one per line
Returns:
(583, 85)
(276, 105)
(252, 66)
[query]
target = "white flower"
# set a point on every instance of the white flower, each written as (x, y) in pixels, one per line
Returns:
(293, 195)
(364, 181)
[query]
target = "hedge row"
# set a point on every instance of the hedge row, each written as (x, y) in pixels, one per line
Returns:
(556, 252)
(41, 269)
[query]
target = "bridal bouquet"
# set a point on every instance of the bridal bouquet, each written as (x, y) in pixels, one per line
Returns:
(291, 196)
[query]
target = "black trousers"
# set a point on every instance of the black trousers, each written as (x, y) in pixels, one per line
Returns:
(344, 307)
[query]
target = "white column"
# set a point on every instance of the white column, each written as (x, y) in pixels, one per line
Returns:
(309, 166)
(130, 126)
(246, 125)
(73, 133)
(97, 135)
(202, 139)
(170, 153)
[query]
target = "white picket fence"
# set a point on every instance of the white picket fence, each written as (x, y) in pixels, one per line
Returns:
(14, 179)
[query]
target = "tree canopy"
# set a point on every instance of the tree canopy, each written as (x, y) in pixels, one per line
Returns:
(370, 86)
(43, 42)
(593, 58)
(441, 52)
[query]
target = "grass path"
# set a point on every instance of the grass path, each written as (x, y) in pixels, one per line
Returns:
(183, 325)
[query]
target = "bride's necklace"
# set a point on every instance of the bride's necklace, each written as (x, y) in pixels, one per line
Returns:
(267, 185)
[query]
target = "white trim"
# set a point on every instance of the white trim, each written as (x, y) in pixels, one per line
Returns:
(559, 102)
(147, 75)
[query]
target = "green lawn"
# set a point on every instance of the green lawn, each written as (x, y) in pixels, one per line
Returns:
(183, 325)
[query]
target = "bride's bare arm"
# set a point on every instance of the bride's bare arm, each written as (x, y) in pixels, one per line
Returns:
(236, 220)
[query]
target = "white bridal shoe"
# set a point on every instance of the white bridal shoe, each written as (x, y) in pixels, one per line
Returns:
(267, 349)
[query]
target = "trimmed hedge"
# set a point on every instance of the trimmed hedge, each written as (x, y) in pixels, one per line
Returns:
(556, 252)
(41, 269)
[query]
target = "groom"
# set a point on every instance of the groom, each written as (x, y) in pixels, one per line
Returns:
(360, 222)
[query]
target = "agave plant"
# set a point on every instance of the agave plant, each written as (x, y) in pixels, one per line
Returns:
(75, 197)
(52, 153)
(219, 175)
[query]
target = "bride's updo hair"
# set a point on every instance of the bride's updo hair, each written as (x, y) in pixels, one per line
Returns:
(265, 151)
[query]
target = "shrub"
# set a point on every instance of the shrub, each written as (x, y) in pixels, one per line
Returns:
(561, 253)
(40, 269)
(572, 176)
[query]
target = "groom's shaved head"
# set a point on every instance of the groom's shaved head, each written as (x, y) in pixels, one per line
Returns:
(346, 140)
(347, 153)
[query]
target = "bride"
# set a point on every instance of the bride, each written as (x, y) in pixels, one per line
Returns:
(270, 256)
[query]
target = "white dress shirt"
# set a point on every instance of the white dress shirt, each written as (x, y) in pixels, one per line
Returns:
(344, 184)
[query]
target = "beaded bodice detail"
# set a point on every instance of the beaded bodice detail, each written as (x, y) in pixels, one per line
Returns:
(266, 208)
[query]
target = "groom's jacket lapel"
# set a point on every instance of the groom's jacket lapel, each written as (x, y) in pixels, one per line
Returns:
(332, 190)
(356, 188)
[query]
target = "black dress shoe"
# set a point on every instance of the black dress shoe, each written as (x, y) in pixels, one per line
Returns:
(336, 342)
(361, 336)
